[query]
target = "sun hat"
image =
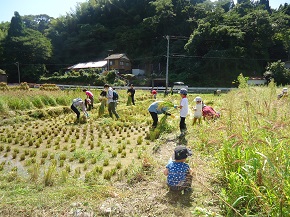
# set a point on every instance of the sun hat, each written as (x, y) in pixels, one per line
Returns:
(183, 91)
(198, 98)
(285, 90)
(181, 152)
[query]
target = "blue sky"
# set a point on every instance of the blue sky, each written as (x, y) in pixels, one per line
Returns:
(56, 8)
(273, 3)
(53, 8)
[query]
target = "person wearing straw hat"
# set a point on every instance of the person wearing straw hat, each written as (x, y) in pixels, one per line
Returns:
(179, 173)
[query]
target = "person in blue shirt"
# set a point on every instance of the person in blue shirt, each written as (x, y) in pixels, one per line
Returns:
(179, 174)
(156, 109)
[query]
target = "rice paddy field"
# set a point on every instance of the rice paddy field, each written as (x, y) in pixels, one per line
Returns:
(52, 166)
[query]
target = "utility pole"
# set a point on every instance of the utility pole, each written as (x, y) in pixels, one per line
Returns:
(108, 64)
(17, 64)
(167, 63)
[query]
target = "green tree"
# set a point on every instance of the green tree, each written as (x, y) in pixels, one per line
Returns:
(25, 46)
(16, 28)
(37, 22)
(278, 71)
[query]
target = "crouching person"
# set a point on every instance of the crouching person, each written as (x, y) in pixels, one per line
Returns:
(79, 103)
(209, 113)
(155, 109)
(179, 174)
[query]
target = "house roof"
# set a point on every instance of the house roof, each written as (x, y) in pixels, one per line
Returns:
(117, 56)
(98, 64)
(256, 78)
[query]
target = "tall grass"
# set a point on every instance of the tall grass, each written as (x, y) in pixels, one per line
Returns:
(36, 99)
(254, 153)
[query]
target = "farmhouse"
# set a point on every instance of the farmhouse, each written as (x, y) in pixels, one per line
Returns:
(119, 62)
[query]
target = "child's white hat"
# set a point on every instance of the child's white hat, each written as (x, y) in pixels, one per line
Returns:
(285, 90)
(198, 98)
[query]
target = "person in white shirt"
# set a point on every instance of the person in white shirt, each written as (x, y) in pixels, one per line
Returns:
(284, 93)
(183, 106)
(79, 103)
(197, 110)
(111, 102)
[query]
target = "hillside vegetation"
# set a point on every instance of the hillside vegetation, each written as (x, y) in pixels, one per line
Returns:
(210, 43)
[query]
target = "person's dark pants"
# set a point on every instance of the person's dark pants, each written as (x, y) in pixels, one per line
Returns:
(76, 111)
(92, 102)
(182, 124)
(112, 109)
(155, 118)
(133, 99)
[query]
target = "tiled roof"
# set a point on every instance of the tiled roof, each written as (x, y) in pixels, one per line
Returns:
(117, 56)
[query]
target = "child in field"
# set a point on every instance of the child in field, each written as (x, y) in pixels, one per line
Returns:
(183, 106)
(79, 103)
(179, 174)
(197, 110)
(209, 113)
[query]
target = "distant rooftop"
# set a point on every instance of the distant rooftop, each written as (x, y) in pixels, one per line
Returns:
(117, 56)
(98, 64)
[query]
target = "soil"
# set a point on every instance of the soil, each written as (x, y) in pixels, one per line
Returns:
(151, 197)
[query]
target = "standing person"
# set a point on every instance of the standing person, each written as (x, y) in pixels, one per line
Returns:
(183, 106)
(179, 174)
(111, 101)
(131, 92)
(155, 109)
(197, 110)
(90, 99)
(79, 103)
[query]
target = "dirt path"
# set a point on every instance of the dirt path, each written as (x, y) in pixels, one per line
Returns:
(150, 197)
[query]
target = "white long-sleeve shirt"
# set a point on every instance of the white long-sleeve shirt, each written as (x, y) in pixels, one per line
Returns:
(110, 95)
(79, 103)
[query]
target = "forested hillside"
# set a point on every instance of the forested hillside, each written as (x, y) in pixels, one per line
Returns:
(210, 43)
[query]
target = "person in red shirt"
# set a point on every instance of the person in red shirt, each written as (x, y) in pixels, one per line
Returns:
(154, 93)
(209, 113)
(90, 99)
